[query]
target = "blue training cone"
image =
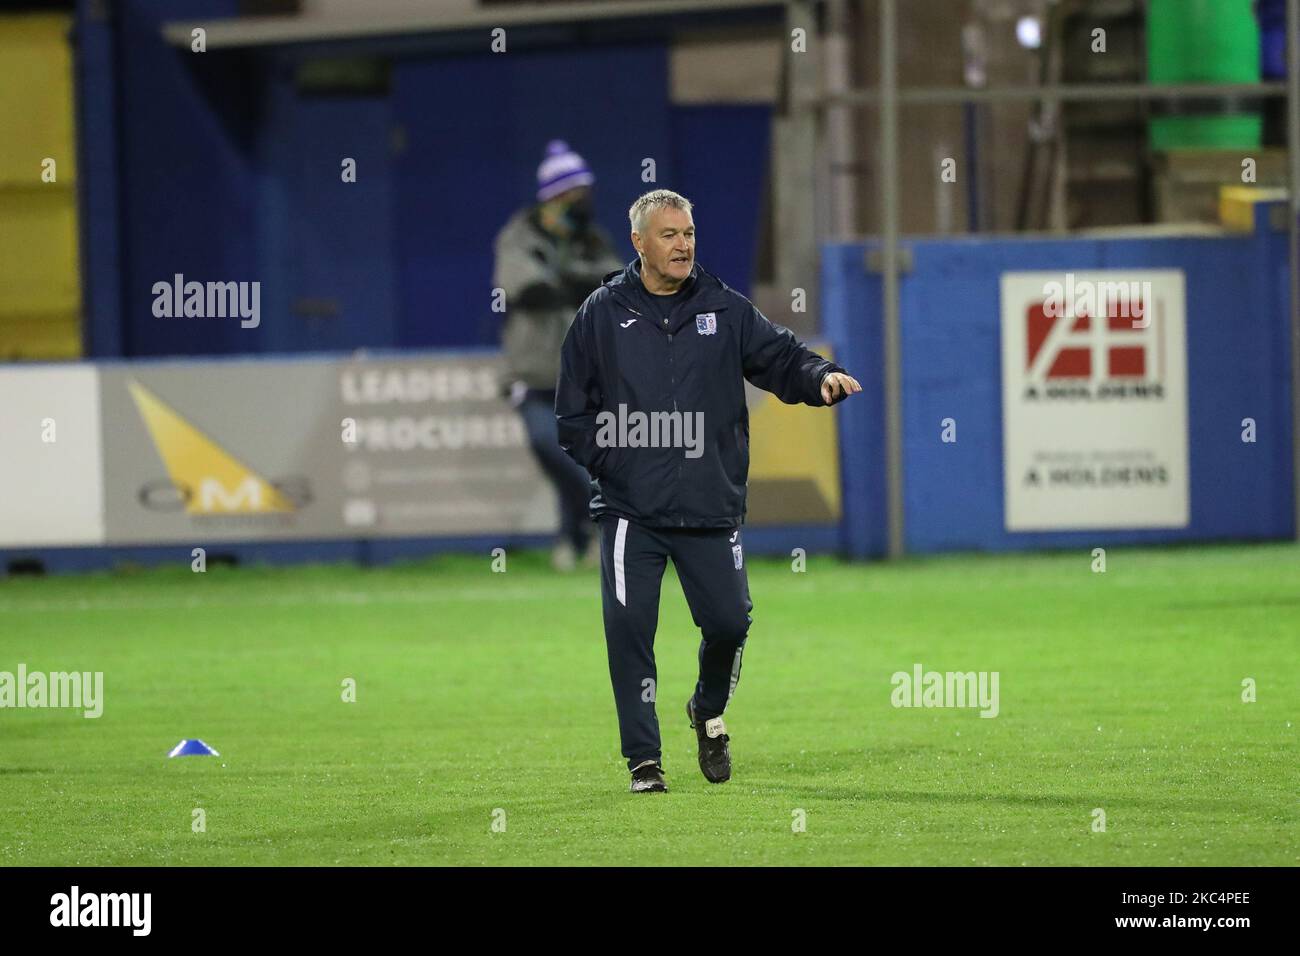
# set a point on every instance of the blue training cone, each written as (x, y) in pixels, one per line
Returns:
(193, 748)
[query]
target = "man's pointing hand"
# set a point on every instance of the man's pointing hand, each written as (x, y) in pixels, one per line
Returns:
(838, 385)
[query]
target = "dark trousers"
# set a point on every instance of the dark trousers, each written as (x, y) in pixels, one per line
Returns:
(710, 565)
(571, 482)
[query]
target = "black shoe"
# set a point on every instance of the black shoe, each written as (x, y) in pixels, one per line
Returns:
(648, 777)
(715, 758)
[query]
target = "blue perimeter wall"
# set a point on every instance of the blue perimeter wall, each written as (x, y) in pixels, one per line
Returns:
(1238, 365)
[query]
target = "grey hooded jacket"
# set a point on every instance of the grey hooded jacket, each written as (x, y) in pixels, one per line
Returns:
(545, 280)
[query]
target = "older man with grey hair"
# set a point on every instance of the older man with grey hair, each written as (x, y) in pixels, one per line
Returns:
(664, 344)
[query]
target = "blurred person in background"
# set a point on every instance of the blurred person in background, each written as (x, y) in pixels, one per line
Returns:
(549, 258)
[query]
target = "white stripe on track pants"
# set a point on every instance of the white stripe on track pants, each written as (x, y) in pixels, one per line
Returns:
(710, 566)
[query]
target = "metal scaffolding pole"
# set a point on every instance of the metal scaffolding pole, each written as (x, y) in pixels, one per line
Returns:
(1293, 161)
(1057, 92)
(889, 220)
(842, 184)
(794, 165)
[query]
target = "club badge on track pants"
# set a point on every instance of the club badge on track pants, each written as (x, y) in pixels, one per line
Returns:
(710, 564)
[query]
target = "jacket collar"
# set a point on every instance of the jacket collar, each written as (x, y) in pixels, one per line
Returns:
(705, 291)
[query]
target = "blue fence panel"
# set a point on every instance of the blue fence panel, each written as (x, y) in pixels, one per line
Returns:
(851, 321)
(950, 313)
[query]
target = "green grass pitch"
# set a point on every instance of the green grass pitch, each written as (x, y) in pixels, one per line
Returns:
(480, 692)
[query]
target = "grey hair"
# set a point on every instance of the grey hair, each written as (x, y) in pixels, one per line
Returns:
(655, 199)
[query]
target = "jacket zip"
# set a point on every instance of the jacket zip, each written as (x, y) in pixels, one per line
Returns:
(672, 383)
(672, 379)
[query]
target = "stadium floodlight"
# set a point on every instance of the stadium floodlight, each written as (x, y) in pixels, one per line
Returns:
(1029, 32)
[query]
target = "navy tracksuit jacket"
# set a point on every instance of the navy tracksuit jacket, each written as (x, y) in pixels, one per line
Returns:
(654, 503)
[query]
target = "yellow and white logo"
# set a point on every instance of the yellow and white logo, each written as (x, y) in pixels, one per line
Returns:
(216, 482)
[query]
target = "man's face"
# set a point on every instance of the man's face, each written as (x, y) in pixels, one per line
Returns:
(667, 245)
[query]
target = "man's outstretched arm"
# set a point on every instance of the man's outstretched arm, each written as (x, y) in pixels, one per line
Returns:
(777, 362)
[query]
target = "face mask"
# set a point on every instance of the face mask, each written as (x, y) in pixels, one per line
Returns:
(579, 213)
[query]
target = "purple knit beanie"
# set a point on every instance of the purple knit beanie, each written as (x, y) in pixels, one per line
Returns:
(561, 169)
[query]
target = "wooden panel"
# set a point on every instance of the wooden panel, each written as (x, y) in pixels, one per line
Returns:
(40, 286)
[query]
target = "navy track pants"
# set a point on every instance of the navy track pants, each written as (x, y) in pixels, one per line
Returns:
(710, 566)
